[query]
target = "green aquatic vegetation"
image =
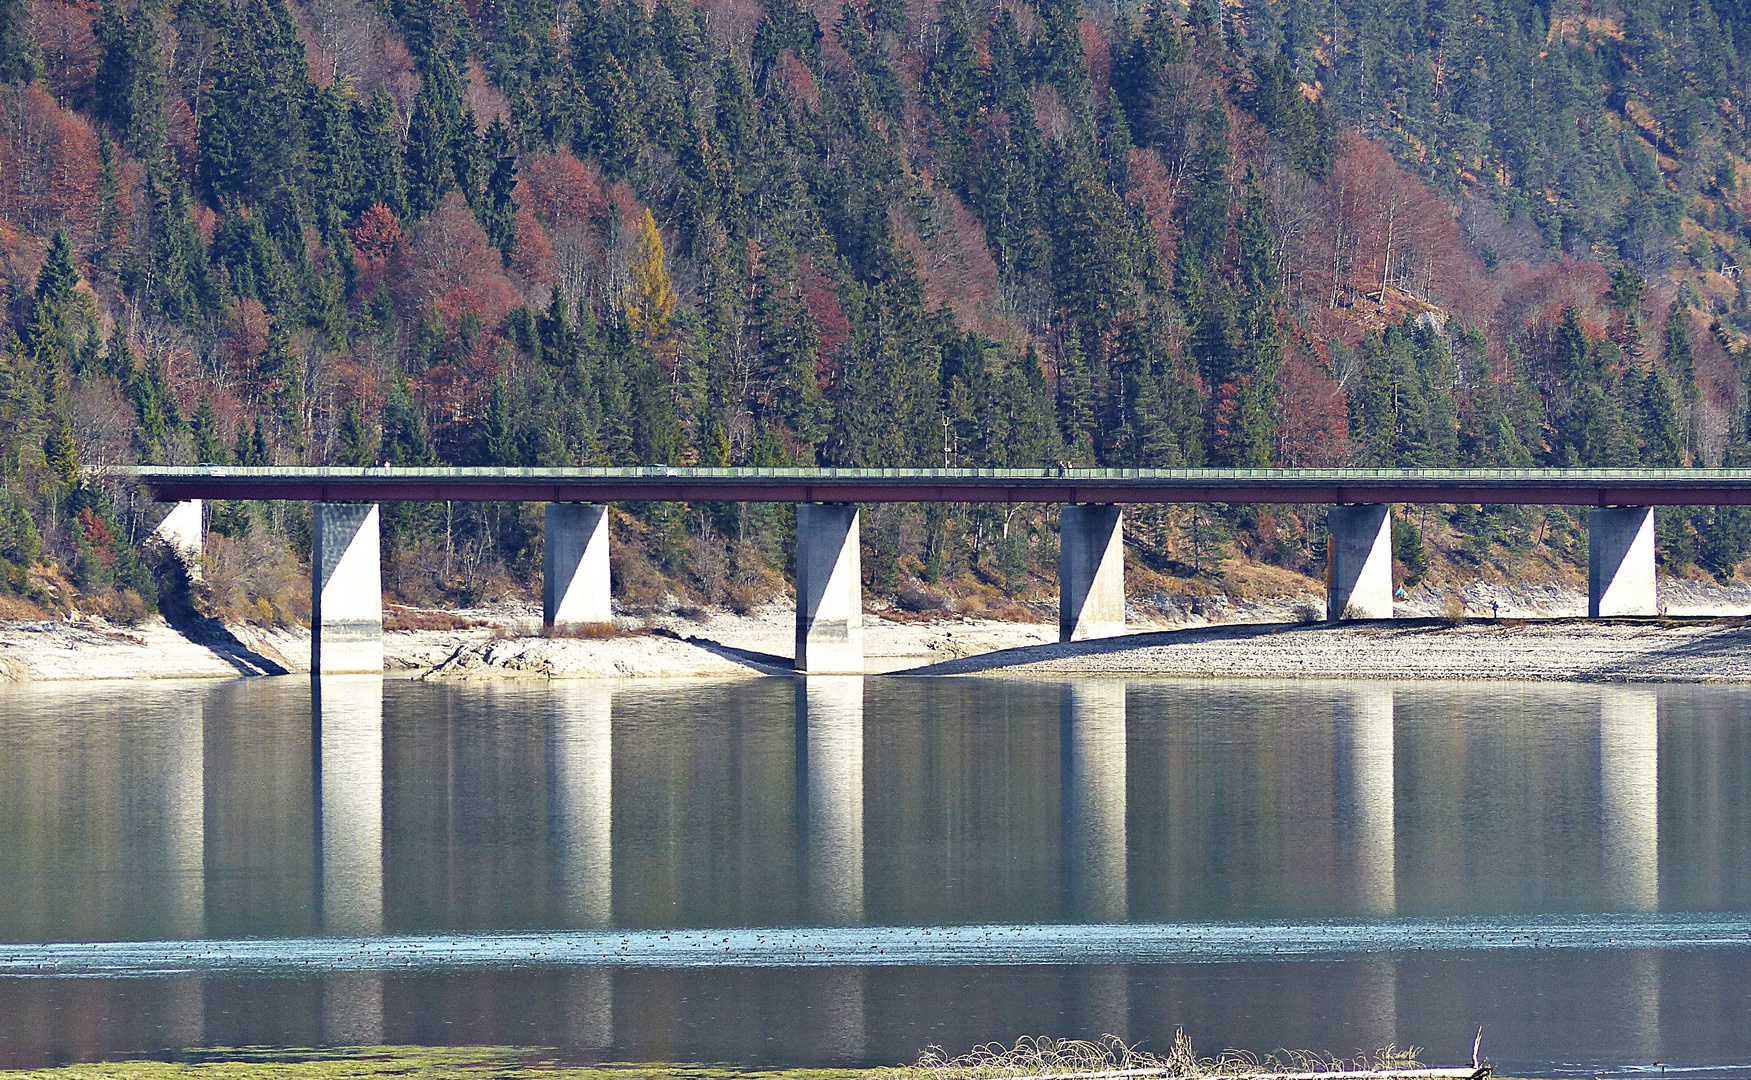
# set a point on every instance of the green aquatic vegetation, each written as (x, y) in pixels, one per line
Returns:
(1029, 1057)
(436, 1062)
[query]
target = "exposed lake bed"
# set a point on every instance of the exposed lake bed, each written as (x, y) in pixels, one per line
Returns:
(1701, 648)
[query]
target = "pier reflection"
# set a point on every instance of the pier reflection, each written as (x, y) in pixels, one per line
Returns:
(580, 764)
(580, 761)
(1629, 803)
(1629, 796)
(829, 764)
(346, 714)
(829, 721)
(1093, 800)
(1366, 766)
(247, 809)
(185, 822)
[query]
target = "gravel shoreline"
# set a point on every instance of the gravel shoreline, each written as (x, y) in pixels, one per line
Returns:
(724, 645)
(1706, 649)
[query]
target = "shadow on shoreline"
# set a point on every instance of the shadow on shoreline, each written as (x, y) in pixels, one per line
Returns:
(1024, 655)
(765, 663)
(175, 604)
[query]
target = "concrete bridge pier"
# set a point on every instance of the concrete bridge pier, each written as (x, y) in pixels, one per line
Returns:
(1091, 571)
(184, 530)
(829, 589)
(1620, 561)
(575, 589)
(346, 617)
(1358, 568)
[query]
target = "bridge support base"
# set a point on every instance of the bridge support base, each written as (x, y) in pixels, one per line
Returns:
(1620, 561)
(829, 589)
(1358, 575)
(1091, 571)
(346, 617)
(575, 589)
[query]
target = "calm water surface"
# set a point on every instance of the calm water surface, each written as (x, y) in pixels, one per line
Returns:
(1333, 865)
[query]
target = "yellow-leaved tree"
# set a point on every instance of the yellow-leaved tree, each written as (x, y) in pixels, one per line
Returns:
(650, 303)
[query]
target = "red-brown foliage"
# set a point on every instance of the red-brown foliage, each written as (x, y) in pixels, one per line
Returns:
(451, 267)
(1098, 54)
(532, 258)
(1372, 242)
(246, 338)
(1313, 419)
(1152, 190)
(184, 129)
(377, 237)
(566, 196)
(1717, 384)
(562, 190)
(97, 534)
(21, 259)
(798, 81)
(955, 262)
(821, 297)
(1387, 229)
(48, 165)
(62, 29)
(1535, 297)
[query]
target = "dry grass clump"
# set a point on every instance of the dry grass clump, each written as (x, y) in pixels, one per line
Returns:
(400, 617)
(591, 632)
(1038, 1056)
(255, 580)
(124, 607)
(18, 609)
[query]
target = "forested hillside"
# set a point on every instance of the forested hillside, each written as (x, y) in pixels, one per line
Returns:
(875, 232)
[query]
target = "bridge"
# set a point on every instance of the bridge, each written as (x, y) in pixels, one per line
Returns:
(347, 616)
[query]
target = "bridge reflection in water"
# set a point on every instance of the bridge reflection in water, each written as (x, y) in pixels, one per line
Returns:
(346, 719)
(243, 811)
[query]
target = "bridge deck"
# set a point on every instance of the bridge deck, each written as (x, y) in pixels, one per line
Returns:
(1574, 487)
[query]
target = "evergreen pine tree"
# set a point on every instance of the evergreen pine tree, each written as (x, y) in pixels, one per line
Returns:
(355, 445)
(382, 158)
(20, 60)
(498, 210)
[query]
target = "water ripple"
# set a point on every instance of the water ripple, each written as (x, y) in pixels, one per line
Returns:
(879, 946)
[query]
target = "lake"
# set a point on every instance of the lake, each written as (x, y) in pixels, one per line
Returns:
(845, 870)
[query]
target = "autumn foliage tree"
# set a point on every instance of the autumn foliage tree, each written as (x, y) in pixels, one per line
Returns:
(607, 232)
